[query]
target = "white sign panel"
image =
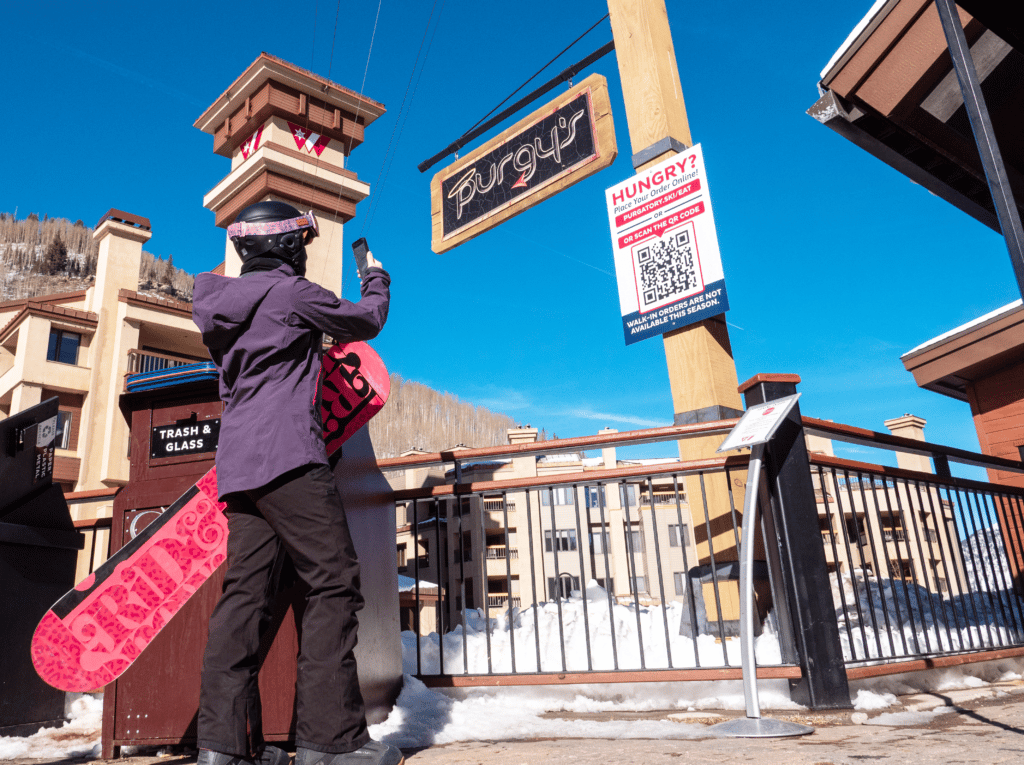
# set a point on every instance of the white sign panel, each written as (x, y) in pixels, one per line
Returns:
(667, 262)
(758, 424)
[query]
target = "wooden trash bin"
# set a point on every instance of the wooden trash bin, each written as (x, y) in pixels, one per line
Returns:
(156, 701)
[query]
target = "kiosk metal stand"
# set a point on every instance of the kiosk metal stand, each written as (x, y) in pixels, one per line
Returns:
(754, 430)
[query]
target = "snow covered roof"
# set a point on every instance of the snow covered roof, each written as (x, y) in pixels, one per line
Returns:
(408, 584)
(963, 329)
(853, 41)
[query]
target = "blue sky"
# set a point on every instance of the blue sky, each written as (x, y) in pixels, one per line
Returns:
(835, 264)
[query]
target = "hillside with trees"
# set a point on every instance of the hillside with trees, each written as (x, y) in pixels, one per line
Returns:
(419, 417)
(53, 255)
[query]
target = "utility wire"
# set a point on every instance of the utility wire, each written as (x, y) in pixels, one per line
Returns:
(567, 74)
(312, 51)
(359, 106)
(534, 75)
(399, 127)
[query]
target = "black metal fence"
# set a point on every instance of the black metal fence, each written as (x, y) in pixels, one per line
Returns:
(589, 569)
(527, 565)
(919, 565)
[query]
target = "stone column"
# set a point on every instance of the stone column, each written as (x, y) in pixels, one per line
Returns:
(288, 133)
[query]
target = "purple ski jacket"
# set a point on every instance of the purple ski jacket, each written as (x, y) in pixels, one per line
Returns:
(265, 334)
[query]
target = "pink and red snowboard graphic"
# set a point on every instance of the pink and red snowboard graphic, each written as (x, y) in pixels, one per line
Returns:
(94, 633)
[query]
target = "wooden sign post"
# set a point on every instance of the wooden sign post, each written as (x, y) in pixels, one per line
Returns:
(701, 371)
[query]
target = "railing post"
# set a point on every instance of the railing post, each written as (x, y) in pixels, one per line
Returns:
(799, 554)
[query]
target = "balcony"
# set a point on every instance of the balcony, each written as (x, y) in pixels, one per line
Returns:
(663, 498)
(497, 505)
(497, 601)
(500, 553)
(150, 361)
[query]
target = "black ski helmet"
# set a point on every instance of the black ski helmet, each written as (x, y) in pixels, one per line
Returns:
(273, 230)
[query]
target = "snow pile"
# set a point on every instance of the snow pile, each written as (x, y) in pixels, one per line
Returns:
(867, 700)
(898, 719)
(79, 737)
(423, 717)
(879, 618)
(619, 636)
(942, 680)
(985, 559)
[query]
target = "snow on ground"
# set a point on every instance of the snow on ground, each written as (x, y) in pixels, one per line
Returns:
(423, 717)
(553, 631)
(79, 737)
(898, 719)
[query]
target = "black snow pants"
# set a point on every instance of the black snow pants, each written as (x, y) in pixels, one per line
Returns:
(299, 514)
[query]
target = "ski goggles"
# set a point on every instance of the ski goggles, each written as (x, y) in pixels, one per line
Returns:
(268, 228)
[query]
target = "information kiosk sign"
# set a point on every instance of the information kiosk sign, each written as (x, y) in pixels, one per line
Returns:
(755, 429)
(758, 424)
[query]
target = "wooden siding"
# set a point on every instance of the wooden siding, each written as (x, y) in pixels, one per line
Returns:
(997, 403)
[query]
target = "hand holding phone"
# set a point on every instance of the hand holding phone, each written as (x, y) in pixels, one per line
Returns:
(360, 249)
(364, 258)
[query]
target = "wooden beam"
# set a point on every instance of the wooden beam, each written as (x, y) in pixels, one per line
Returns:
(701, 370)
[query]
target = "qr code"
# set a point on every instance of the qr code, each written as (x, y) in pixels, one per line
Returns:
(667, 268)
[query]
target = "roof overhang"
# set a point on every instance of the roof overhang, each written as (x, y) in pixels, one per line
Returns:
(891, 90)
(947, 364)
(272, 86)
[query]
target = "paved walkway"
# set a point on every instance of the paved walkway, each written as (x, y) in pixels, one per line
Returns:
(984, 725)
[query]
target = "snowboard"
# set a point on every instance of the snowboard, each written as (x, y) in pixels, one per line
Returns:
(92, 634)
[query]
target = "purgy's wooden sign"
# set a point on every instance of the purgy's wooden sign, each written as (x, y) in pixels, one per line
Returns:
(184, 438)
(558, 145)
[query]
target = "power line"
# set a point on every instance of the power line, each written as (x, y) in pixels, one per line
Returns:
(399, 127)
(534, 75)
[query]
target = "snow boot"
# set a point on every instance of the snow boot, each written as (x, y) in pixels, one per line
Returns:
(271, 756)
(373, 753)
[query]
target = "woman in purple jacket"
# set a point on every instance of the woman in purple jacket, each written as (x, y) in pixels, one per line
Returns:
(265, 333)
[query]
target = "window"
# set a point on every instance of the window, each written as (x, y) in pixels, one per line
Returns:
(64, 430)
(638, 585)
(401, 556)
(563, 586)
(599, 542)
(679, 536)
(635, 539)
(63, 346)
(564, 540)
(425, 547)
(680, 579)
(901, 569)
(561, 494)
(593, 497)
(606, 583)
(629, 490)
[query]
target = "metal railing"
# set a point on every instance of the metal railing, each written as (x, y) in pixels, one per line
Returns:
(919, 565)
(609, 584)
(97, 544)
(605, 581)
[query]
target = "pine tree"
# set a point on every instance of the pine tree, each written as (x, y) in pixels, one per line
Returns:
(55, 257)
(167, 276)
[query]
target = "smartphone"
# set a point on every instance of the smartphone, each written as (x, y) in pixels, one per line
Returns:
(360, 249)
